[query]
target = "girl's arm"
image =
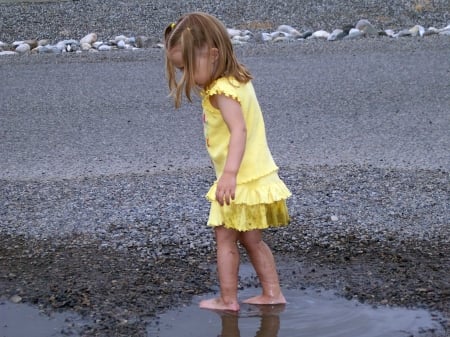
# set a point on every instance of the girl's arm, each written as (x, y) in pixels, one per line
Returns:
(232, 114)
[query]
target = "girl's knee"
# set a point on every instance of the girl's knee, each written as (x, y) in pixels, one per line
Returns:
(251, 240)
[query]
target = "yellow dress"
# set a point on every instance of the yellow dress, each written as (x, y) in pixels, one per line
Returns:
(260, 194)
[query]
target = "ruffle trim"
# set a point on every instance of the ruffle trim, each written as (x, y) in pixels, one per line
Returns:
(245, 217)
(265, 190)
(223, 88)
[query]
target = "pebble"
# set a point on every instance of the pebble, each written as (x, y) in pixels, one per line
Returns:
(16, 299)
(284, 33)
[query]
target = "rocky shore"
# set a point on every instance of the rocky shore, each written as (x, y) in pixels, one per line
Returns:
(102, 212)
(58, 20)
(60, 26)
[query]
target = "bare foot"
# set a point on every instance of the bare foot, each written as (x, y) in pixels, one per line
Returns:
(219, 304)
(264, 299)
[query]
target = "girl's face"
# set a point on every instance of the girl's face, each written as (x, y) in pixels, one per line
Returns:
(204, 62)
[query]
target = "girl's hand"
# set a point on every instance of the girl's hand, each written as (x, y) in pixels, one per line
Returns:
(226, 187)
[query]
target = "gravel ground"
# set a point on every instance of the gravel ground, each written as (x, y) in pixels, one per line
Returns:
(56, 20)
(102, 184)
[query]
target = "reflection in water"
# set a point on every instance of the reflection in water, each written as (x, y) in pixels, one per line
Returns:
(269, 322)
(309, 312)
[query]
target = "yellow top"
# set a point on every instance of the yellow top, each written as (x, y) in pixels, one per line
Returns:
(257, 160)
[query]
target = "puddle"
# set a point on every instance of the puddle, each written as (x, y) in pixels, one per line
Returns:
(19, 320)
(308, 313)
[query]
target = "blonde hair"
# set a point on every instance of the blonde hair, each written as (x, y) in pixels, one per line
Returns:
(193, 32)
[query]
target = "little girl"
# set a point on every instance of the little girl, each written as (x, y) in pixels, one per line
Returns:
(248, 195)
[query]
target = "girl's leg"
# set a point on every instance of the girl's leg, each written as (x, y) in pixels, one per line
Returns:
(264, 263)
(228, 269)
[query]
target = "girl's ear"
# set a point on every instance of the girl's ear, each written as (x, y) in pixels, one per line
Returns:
(214, 54)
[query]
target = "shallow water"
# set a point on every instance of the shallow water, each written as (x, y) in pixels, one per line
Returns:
(20, 320)
(310, 312)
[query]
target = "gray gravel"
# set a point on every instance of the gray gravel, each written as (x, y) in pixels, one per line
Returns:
(56, 20)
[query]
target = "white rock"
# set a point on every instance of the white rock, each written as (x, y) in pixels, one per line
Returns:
(16, 299)
(97, 44)
(402, 33)
(282, 39)
(445, 32)
(389, 32)
(291, 31)
(354, 34)
(334, 218)
(417, 30)
(120, 38)
(237, 42)
(240, 38)
(43, 42)
(8, 52)
(266, 37)
(86, 46)
(17, 43)
(366, 27)
(61, 45)
(23, 48)
(121, 44)
(276, 34)
(104, 47)
(335, 34)
(320, 34)
(90, 38)
(48, 49)
(233, 32)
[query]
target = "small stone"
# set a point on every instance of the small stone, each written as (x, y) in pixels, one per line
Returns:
(291, 31)
(7, 52)
(121, 44)
(354, 33)
(402, 33)
(16, 299)
(90, 38)
(97, 44)
(366, 27)
(85, 46)
(417, 30)
(104, 47)
(119, 38)
(43, 42)
(48, 49)
(233, 32)
(337, 34)
(320, 34)
(334, 218)
(23, 48)
(389, 32)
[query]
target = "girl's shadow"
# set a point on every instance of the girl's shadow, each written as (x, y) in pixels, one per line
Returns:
(269, 324)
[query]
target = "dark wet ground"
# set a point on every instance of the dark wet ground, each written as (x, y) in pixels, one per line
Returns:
(120, 293)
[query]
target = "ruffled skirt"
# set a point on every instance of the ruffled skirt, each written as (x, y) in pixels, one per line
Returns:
(259, 204)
